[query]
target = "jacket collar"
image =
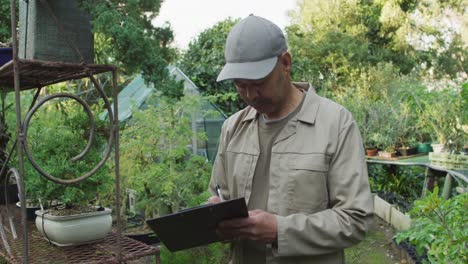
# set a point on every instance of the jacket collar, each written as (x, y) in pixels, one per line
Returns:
(309, 109)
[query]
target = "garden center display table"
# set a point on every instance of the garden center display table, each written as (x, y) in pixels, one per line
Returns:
(433, 172)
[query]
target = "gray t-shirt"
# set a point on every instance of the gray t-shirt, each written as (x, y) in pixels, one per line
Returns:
(268, 131)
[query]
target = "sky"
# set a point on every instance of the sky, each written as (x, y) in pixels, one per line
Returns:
(188, 18)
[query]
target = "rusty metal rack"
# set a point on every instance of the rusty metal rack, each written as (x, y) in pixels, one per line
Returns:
(42, 251)
(36, 73)
(21, 242)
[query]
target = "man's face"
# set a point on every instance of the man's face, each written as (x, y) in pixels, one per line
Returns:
(265, 95)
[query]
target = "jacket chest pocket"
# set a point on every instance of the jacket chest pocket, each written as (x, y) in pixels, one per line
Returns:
(307, 183)
(240, 168)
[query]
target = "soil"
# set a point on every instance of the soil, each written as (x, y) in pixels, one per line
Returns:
(142, 229)
(75, 209)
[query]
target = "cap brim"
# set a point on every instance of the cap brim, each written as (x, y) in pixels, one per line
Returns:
(247, 70)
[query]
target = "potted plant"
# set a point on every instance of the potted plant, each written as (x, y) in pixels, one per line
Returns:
(406, 129)
(54, 137)
(407, 146)
(388, 152)
(371, 151)
(441, 110)
(424, 140)
(369, 127)
(386, 144)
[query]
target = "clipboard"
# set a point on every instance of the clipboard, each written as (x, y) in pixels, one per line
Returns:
(196, 226)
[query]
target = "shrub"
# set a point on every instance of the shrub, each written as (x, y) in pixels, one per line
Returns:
(440, 227)
(57, 132)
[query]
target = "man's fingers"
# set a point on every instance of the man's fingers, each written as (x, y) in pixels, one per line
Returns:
(235, 223)
(255, 212)
(259, 226)
(214, 200)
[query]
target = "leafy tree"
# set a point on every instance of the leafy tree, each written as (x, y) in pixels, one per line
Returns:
(333, 37)
(203, 61)
(156, 162)
(435, 30)
(330, 38)
(125, 37)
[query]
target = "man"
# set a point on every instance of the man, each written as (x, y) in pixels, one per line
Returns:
(297, 158)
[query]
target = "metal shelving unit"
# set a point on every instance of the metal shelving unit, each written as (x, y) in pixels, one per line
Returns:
(28, 246)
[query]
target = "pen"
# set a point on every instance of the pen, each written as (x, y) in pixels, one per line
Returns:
(218, 190)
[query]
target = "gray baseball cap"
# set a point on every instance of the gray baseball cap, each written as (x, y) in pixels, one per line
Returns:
(252, 49)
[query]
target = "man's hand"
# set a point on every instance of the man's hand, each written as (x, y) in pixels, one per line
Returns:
(259, 226)
(214, 200)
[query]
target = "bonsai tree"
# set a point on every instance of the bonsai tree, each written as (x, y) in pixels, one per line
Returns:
(56, 134)
(442, 111)
(406, 123)
(382, 141)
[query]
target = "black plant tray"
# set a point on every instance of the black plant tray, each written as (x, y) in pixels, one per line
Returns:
(147, 238)
(12, 192)
(410, 250)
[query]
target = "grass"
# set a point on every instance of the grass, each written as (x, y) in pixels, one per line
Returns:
(375, 247)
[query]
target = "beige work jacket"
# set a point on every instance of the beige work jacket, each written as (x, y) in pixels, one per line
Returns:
(319, 188)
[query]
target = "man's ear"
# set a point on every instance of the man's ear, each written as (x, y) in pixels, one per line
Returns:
(286, 60)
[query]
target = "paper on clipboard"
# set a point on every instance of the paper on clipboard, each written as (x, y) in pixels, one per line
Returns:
(196, 226)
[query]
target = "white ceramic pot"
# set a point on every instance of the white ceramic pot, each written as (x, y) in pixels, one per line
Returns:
(437, 148)
(74, 229)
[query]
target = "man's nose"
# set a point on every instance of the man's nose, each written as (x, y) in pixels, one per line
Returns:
(251, 92)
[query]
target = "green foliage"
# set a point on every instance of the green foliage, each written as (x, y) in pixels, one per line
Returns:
(216, 253)
(59, 131)
(441, 112)
(5, 21)
(156, 162)
(370, 56)
(335, 37)
(171, 89)
(440, 227)
(125, 37)
(434, 32)
(383, 115)
(203, 61)
(406, 182)
(329, 39)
